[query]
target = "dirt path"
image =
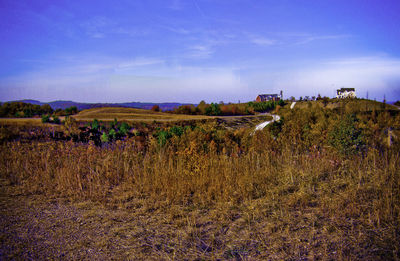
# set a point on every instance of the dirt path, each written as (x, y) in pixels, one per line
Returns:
(265, 123)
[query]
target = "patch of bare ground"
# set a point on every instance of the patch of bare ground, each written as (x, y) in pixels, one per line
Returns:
(37, 227)
(237, 122)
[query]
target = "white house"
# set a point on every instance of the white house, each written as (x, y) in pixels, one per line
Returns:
(346, 93)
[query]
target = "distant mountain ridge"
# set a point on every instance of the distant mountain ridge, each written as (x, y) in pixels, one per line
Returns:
(166, 106)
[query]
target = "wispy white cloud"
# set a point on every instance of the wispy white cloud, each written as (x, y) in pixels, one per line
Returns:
(310, 38)
(98, 26)
(199, 10)
(262, 41)
(282, 38)
(96, 35)
(201, 51)
(132, 32)
(176, 5)
(178, 30)
(141, 61)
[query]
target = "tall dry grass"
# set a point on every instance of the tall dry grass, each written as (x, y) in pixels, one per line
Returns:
(365, 187)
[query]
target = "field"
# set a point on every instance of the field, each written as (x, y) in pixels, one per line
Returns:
(21, 121)
(320, 184)
(108, 114)
(131, 114)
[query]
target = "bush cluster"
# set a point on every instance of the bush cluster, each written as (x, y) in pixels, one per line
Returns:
(27, 110)
(23, 110)
(47, 119)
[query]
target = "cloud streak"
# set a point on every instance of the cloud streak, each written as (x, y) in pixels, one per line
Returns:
(310, 38)
(262, 41)
(286, 39)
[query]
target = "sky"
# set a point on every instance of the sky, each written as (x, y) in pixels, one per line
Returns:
(193, 50)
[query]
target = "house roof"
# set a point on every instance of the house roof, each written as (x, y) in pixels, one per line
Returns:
(268, 95)
(346, 90)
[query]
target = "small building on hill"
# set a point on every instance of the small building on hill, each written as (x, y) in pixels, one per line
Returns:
(269, 97)
(346, 93)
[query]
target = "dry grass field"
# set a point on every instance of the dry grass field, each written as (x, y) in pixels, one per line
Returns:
(108, 114)
(21, 121)
(132, 114)
(318, 185)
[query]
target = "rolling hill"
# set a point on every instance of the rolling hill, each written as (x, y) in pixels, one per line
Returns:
(166, 106)
(132, 114)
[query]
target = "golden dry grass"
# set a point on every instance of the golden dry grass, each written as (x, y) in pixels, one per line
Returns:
(21, 121)
(132, 114)
(187, 205)
(33, 122)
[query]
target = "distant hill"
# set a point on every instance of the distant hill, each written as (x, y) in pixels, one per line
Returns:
(167, 106)
(35, 102)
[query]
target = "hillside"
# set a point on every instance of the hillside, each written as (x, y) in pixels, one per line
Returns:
(128, 114)
(347, 104)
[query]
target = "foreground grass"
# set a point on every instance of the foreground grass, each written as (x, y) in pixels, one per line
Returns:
(119, 202)
(40, 227)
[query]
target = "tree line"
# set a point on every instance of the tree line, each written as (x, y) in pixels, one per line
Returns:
(27, 110)
(231, 109)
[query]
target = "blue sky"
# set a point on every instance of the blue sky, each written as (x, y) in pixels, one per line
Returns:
(192, 50)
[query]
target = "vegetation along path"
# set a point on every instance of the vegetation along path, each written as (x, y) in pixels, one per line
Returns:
(265, 123)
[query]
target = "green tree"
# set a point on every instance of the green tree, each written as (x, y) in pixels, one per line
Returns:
(46, 109)
(95, 124)
(176, 130)
(112, 134)
(214, 109)
(45, 118)
(104, 137)
(163, 136)
(124, 128)
(346, 137)
(71, 110)
(56, 120)
(202, 107)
